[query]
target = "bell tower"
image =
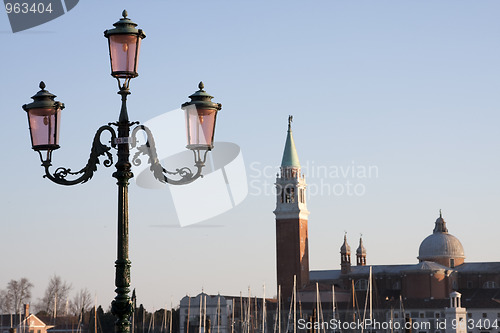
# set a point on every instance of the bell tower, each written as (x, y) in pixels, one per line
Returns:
(292, 254)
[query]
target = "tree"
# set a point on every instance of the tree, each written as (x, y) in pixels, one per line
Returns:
(17, 293)
(55, 298)
(81, 302)
(4, 302)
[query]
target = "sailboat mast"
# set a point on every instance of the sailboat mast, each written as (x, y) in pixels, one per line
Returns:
(279, 309)
(249, 310)
(317, 303)
(189, 313)
(264, 309)
(55, 307)
(232, 318)
(255, 325)
(392, 318)
(171, 312)
(205, 315)
(164, 324)
(218, 313)
(153, 319)
(143, 319)
(402, 314)
(333, 301)
(353, 302)
(95, 315)
(241, 312)
(201, 305)
(133, 312)
(295, 304)
(371, 293)
(79, 328)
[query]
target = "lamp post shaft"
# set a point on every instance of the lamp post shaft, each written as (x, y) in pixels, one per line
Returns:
(122, 306)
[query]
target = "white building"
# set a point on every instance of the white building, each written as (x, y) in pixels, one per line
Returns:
(205, 314)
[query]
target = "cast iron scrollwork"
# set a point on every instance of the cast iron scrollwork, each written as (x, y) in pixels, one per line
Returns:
(98, 149)
(159, 172)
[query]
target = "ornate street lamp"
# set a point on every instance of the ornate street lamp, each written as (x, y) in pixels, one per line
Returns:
(44, 119)
(124, 43)
(201, 114)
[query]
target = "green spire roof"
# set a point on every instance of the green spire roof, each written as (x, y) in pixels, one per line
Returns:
(290, 157)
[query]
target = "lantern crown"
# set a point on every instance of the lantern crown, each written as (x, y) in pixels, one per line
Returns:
(125, 26)
(43, 99)
(202, 99)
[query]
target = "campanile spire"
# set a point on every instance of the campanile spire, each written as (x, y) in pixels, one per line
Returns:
(290, 157)
(292, 255)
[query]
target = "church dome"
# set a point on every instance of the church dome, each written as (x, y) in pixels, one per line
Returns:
(440, 245)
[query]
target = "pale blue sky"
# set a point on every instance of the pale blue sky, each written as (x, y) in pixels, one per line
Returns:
(408, 87)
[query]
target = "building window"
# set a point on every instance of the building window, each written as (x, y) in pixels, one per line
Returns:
(361, 285)
(290, 194)
(489, 285)
(452, 263)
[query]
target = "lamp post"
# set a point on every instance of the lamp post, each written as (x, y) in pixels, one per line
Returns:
(44, 120)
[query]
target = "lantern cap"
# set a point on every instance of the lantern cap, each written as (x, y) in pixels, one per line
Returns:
(43, 99)
(125, 26)
(202, 99)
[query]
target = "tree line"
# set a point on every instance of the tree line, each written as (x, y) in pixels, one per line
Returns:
(57, 308)
(55, 301)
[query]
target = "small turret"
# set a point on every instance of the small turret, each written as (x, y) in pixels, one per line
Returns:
(361, 253)
(345, 257)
